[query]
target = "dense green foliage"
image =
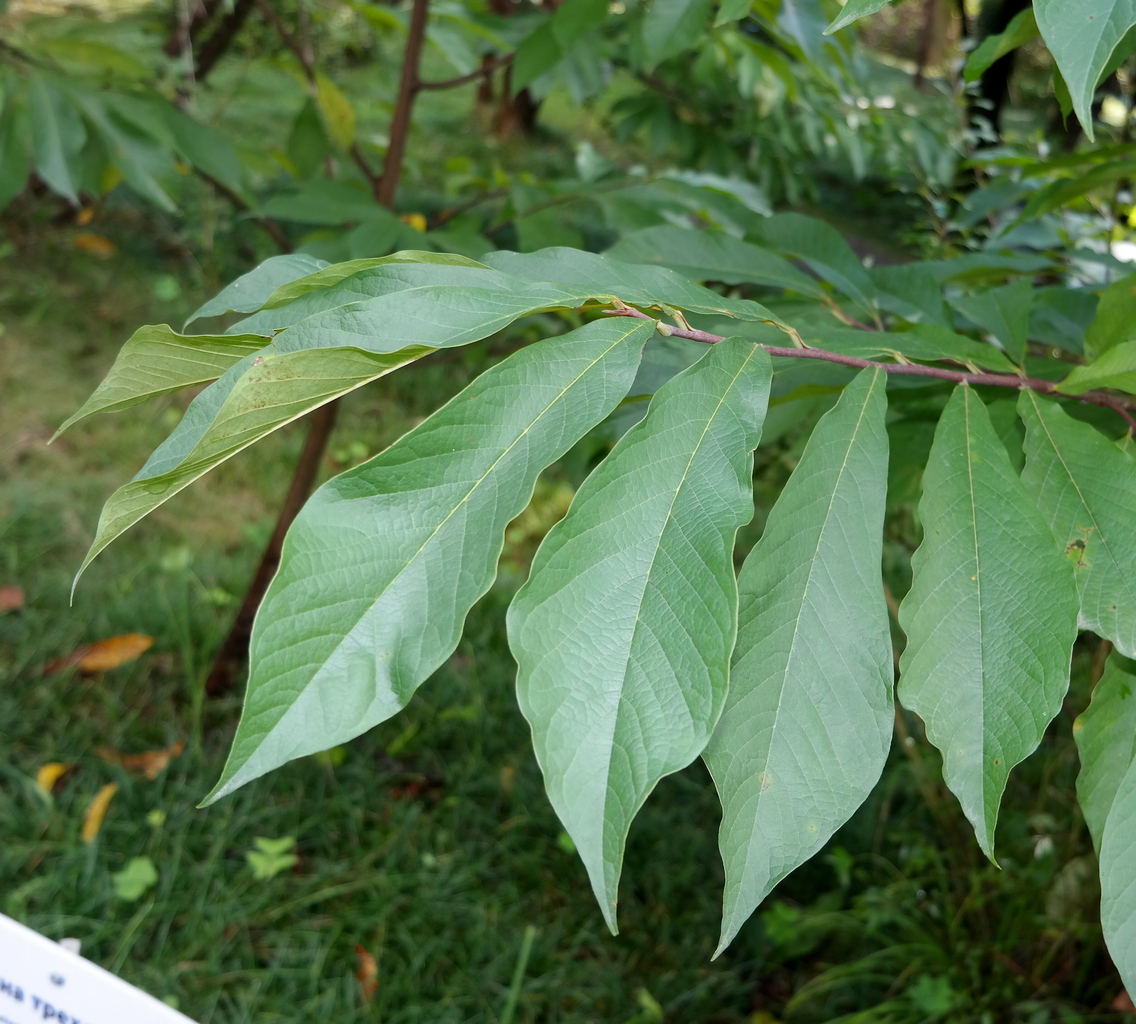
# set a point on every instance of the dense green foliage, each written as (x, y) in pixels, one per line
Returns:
(992, 383)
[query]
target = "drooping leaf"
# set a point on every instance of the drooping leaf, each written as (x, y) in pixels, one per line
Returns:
(1118, 880)
(383, 563)
(854, 10)
(157, 360)
(205, 148)
(15, 154)
(1085, 37)
(669, 26)
(712, 256)
(911, 291)
(1004, 312)
(624, 630)
(1085, 488)
(259, 394)
(250, 291)
(1022, 28)
(808, 720)
(731, 10)
(1115, 368)
(1064, 190)
(990, 617)
(57, 137)
(308, 144)
(1106, 742)
(338, 114)
(1115, 321)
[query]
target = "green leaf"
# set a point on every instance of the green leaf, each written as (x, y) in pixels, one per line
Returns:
(205, 148)
(132, 882)
(1085, 488)
(308, 143)
(808, 720)
(382, 565)
(263, 393)
(624, 630)
(912, 292)
(1022, 28)
(324, 201)
(924, 342)
(1106, 742)
(1115, 321)
(250, 291)
(556, 38)
(1118, 880)
(732, 10)
(821, 246)
(1085, 37)
(337, 112)
(15, 157)
(536, 55)
(271, 857)
(1064, 190)
(1116, 368)
(57, 137)
(1004, 312)
(157, 360)
(990, 617)
(854, 10)
(670, 26)
(712, 256)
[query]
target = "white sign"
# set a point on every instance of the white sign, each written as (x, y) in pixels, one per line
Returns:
(42, 982)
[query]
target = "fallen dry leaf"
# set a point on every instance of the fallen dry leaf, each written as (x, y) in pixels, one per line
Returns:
(11, 599)
(98, 245)
(368, 973)
(102, 654)
(149, 764)
(96, 811)
(49, 774)
(1123, 1003)
(85, 216)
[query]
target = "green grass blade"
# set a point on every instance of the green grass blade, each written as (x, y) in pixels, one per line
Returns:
(808, 721)
(990, 617)
(624, 630)
(1085, 487)
(382, 565)
(1106, 742)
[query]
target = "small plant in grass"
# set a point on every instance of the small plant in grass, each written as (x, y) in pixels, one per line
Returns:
(639, 648)
(271, 857)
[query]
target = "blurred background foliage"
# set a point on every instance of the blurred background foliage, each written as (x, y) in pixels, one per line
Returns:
(150, 152)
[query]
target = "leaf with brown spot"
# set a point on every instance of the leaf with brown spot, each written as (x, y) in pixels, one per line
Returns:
(96, 811)
(149, 764)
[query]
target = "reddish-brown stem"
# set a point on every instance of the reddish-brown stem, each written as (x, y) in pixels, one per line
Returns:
(1000, 380)
(484, 71)
(408, 86)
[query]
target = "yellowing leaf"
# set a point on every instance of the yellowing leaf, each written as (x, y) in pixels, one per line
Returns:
(11, 599)
(49, 774)
(149, 764)
(337, 112)
(96, 811)
(98, 245)
(103, 654)
(415, 220)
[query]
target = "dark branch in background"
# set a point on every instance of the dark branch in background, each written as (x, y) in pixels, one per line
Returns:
(189, 26)
(487, 68)
(219, 41)
(270, 226)
(455, 211)
(408, 85)
(999, 380)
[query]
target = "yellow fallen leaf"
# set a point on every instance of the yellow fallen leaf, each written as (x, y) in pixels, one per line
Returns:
(103, 654)
(415, 220)
(96, 811)
(149, 764)
(49, 774)
(85, 216)
(99, 245)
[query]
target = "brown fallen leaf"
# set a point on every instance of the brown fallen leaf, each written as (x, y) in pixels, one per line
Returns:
(368, 973)
(99, 245)
(149, 764)
(1123, 1003)
(11, 599)
(102, 654)
(49, 774)
(96, 811)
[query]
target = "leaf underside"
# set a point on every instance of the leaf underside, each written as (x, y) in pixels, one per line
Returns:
(990, 617)
(808, 720)
(624, 630)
